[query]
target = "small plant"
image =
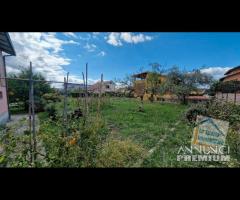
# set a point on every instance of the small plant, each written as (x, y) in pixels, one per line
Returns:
(120, 153)
(51, 110)
(194, 110)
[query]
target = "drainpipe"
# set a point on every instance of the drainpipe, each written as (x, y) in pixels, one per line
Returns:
(6, 81)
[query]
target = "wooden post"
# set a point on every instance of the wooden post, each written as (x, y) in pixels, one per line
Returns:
(235, 92)
(100, 94)
(87, 88)
(30, 116)
(85, 99)
(235, 97)
(65, 120)
(33, 114)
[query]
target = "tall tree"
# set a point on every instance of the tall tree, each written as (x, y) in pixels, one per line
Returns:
(153, 80)
(183, 83)
(19, 90)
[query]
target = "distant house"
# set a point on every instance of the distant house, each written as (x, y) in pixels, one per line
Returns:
(232, 75)
(140, 87)
(230, 89)
(75, 86)
(107, 86)
(140, 90)
(6, 47)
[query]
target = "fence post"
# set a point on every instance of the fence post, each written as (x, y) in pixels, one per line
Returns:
(86, 88)
(33, 114)
(65, 120)
(235, 97)
(100, 94)
(30, 116)
(85, 100)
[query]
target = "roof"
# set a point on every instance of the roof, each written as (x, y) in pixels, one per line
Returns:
(143, 75)
(140, 75)
(221, 79)
(230, 70)
(6, 44)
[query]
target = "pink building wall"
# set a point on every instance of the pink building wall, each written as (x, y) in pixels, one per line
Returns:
(3, 97)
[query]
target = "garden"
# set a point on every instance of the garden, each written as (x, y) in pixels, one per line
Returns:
(109, 131)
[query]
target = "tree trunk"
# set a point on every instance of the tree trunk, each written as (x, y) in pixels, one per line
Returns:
(184, 100)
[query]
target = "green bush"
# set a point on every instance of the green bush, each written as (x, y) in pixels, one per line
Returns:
(216, 109)
(80, 145)
(51, 110)
(51, 97)
(194, 110)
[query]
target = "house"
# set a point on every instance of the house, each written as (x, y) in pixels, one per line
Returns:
(232, 75)
(76, 89)
(75, 86)
(107, 87)
(7, 48)
(230, 86)
(141, 85)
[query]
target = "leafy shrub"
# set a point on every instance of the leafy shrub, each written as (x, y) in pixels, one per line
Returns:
(79, 146)
(223, 111)
(216, 109)
(119, 153)
(233, 140)
(51, 97)
(194, 110)
(51, 110)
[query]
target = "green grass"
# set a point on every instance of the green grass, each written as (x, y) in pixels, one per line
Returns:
(160, 129)
(160, 126)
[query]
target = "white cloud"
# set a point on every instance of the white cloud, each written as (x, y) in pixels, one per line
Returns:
(116, 39)
(216, 72)
(101, 53)
(44, 50)
(95, 34)
(70, 34)
(87, 37)
(90, 47)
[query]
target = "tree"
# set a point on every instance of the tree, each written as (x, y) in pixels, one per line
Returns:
(127, 82)
(183, 83)
(214, 87)
(153, 81)
(19, 90)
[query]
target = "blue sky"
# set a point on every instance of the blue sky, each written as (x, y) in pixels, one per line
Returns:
(118, 54)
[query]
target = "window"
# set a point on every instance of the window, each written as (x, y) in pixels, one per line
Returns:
(1, 95)
(107, 86)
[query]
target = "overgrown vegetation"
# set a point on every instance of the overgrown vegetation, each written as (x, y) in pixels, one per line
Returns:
(116, 134)
(224, 111)
(121, 136)
(183, 83)
(19, 90)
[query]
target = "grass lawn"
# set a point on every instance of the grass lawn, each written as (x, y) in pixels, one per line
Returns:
(160, 129)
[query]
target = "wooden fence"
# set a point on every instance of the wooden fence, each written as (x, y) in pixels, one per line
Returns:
(228, 97)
